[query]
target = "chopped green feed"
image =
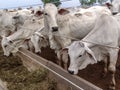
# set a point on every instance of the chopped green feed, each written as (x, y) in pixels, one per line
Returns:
(18, 77)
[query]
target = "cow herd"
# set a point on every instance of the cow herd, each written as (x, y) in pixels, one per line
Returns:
(83, 36)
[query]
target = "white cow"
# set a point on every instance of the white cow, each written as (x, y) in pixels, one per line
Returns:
(10, 22)
(114, 6)
(106, 34)
(76, 25)
(15, 40)
(6, 23)
(39, 39)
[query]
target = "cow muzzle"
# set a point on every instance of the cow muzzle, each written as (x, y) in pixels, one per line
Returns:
(54, 29)
(114, 13)
(71, 72)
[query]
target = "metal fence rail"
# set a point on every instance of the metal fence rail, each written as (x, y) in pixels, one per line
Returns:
(72, 81)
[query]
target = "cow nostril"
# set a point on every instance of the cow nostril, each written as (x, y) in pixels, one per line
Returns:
(11, 54)
(54, 29)
(114, 13)
(33, 20)
(5, 46)
(10, 42)
(71, 72)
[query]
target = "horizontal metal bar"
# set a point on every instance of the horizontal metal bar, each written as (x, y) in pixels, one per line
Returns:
(79, 82)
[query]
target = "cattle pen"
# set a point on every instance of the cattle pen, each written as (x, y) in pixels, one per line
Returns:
(65, 80)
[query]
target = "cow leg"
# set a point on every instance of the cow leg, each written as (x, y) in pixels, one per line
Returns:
(30, 45)
(112, 68)
(105, 70)
(65, 59)
(59, 58)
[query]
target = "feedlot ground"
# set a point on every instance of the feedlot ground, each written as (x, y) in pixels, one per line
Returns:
(92, 73)
(17, 77)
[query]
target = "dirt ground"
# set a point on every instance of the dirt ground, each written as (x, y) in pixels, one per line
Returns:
(93, 73)
(17, 77)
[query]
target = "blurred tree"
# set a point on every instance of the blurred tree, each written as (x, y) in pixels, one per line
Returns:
(87, 2)
(56, 2)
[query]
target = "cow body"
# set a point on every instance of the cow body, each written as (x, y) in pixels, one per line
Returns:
(76, 25)
(6, 23)
(105, 37)
(18, 38)
(114, 6)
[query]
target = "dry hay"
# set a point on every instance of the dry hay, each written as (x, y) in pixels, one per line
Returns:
(17, 77)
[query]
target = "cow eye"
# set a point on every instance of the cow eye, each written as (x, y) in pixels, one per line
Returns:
(45, 14)
(80, 55)
(10, 41)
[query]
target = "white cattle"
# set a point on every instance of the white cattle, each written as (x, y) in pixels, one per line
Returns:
(13, 42)
(37, 11)
(6, 23)
(106, 38)
(10, 22)
(75, 25)
(39, 39)
(114, 6)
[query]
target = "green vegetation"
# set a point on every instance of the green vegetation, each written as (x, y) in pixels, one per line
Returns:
(56, 2)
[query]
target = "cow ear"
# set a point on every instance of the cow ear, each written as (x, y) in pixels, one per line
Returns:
(63, 11)
(81, 44)
(32, 11)
(38, 13)
(108, 5)
(65, 50)
(90, 53)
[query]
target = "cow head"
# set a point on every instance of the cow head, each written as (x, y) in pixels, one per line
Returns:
(6, 46)
(18, 20)
(50, 15)
(80, 56)
(114, 6)
(9, 47)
